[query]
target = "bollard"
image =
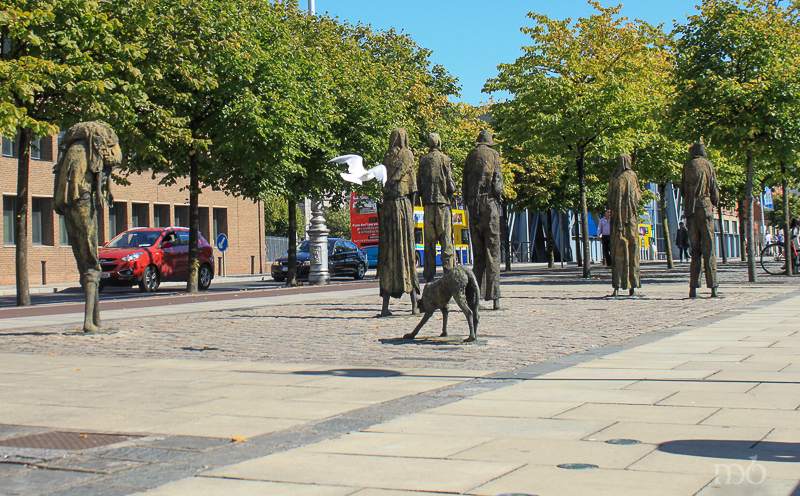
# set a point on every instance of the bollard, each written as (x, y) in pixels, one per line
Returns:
(252, 264)
(219, 267)
(44, 272)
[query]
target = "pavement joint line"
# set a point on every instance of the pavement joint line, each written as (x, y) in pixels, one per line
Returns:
(190, 464)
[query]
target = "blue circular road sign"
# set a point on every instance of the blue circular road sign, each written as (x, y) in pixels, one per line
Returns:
(222, 242)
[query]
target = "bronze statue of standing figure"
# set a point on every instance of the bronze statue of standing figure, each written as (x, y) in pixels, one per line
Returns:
(700, 195)
(436, 187)
(624, 196)
(86, 156)
(483, 188)
(396, 256)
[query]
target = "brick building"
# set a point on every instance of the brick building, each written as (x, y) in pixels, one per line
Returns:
(143, 203)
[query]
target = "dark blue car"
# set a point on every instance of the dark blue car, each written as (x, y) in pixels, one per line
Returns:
(344, 259)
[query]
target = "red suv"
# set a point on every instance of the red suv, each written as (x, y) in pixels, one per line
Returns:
(149, 255)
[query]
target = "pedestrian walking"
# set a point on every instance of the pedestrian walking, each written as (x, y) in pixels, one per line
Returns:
(682, 242)
(604, 230)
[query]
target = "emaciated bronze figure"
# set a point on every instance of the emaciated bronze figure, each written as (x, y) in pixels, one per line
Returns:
(483, 188)
(624, 196)
(86, 156)
(436, 188)
(700, 195)
(396, 256)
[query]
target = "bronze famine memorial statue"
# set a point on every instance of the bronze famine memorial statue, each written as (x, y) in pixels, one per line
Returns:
(86, 156)
(396, 260)
(436, 188)
(483, 187)
(624, 196)
(700, 195)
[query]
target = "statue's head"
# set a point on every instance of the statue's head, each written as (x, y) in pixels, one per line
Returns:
(624, 162)
(698, 150)
(485, 138)
(102, 141)
(434, 141)
(398, 139)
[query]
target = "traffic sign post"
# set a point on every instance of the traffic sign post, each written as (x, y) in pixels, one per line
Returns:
(222, 245)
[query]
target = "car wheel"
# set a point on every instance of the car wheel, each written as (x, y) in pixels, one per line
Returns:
(101, 286)
(204, 277)
(278, 278)
(150, 280)
(418, 259)
(360, 271)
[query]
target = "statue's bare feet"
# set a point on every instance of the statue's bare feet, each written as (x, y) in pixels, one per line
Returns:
(631, 292)
(385, 313)
(443, 334)
(714, 293)
(692, 293)
(409, 336)
(497, 304)
(469, 339)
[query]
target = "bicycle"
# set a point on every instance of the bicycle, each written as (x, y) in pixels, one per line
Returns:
(773, 260)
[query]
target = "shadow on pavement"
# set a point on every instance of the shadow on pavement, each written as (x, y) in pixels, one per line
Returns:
(363, 373)
(765, 451)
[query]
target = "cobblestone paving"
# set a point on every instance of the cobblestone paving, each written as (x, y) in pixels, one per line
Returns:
(545, 315)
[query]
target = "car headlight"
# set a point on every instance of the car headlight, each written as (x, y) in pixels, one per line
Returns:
(277, 261)
(132, 256)
(306, 263)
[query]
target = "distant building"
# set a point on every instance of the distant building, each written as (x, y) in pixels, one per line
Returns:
(144, 203)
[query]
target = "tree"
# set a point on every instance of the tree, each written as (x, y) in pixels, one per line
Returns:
(52, 73)
(660, 161)
(198, 110)
(276, 216)
(579, 90)
(775, 217)
(737, 84)
(338, 221)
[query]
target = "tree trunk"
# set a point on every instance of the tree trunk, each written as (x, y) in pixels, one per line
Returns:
(662, 194)
(291, 272)
(194, 221)
(742, 243)
(21, 218)
(751, 258)
(548, 239)
(505, 235)
(587, 271)
(722, 247)
(578, 250)
(787, 242)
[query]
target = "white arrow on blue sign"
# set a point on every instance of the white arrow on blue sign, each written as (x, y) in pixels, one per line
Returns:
(222, 242)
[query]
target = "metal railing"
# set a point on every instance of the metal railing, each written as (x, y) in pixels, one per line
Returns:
(274, 247)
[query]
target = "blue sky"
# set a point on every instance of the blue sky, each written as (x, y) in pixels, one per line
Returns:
(470, 38)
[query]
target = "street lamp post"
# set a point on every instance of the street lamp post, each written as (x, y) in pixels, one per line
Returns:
(311, 7)
(318, 246)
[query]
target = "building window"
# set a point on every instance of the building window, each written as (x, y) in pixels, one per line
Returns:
(161, 216)
(181, 216)
(63, 236)
(37, 226)
(139, 215)
(36, 148)
(117, 218)
(735, 226)
(9, 226)
(220, 222)
(8, 147)
(203, 218)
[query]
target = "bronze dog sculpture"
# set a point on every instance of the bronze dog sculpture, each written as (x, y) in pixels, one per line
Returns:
(458, 283)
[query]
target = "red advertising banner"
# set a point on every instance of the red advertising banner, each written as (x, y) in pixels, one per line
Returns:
(363, 220)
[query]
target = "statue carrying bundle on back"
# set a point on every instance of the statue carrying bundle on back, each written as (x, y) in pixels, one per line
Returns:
(86, 157)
